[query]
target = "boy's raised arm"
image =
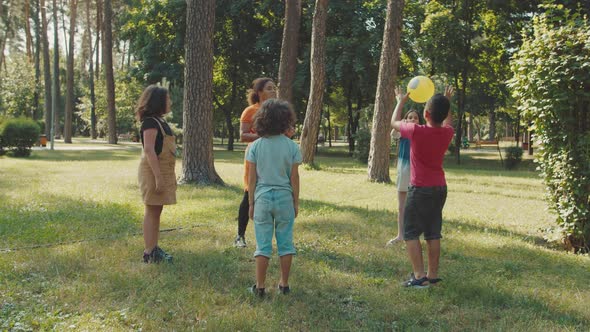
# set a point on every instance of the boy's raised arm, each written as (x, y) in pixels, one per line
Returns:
(449, 92)
(402, 98)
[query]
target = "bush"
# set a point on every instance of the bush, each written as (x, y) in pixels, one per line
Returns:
(513, 157)
(553, 94)
(363, 145)
(20, 135)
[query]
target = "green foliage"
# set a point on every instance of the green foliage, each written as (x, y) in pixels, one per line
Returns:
(19, 135)
(17, 95)
(363, 144)
(552, 85)
(513, 157)
(127, 92)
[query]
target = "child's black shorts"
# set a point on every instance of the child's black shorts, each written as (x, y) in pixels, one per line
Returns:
(423, 212)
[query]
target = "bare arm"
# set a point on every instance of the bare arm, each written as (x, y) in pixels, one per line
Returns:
(245, 134)
(449, 92)
(396, 118)
(149, 143)
(295, 186)
(251, 187)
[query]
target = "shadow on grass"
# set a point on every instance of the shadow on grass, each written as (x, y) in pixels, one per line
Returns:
(55, 219)
(87, 155)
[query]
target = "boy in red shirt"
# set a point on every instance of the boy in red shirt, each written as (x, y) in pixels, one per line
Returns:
(428, 188)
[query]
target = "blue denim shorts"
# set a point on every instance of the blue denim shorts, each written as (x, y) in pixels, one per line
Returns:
(274, 213)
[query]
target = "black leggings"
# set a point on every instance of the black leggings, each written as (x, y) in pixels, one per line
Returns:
(243, 214)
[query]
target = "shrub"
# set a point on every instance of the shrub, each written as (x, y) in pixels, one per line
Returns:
(20, 135)
(363, 145)
(513, 157)
(553, 94)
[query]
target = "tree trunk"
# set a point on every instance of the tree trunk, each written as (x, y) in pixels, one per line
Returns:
(107, 58)
(93, 132)
(378, 169)
(5, 37)
(197, 152)
(288, 64)
(28, 36)
(492, 119)
(70, 75)
(37, 112)
(46, 70)
(98, 33)
(309, 134)
(55, 90)
(349, 129)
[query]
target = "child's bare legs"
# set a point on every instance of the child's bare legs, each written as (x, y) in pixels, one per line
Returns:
(414, 249)
(433, 257)
(285, 269)
(261, 267)
(151, 226)
(401, 205)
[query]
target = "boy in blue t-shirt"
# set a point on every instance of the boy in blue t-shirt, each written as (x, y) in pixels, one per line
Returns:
(273, 189)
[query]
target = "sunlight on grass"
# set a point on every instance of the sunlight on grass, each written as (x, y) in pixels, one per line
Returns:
(498, 272)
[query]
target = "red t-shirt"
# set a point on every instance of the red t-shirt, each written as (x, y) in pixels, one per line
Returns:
(427, 150)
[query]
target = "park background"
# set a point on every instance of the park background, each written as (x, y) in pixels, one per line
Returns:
(517, 229)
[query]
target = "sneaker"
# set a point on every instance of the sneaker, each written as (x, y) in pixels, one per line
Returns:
(284, 289)
(161, 255)
(434, 280)
(240, 242)
(416, 283)
(393, 241)
(259, 292)
(147, 258)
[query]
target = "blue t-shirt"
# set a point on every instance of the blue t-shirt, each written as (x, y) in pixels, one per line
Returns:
(404, 150)
(274, 157)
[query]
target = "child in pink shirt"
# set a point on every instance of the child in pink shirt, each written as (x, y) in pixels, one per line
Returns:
(428, 188)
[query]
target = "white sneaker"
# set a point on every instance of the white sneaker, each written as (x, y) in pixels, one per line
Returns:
(240, 242)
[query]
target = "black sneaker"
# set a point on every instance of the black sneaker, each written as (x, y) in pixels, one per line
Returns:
(284, 290)
(416, 283)
(161, 255)
(147, 258)
(434, 280)
(259, 292)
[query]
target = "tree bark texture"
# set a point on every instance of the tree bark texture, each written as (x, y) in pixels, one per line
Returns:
(378, 169)
(70, 75)
(93, 132)
(311, 124)
(55, 90)
(46, 69)
(29, 37)
(107, 58)
(288, 64)
(37, 113)
(197, 161)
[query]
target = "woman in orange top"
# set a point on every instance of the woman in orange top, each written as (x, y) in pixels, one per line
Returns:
(263, 88)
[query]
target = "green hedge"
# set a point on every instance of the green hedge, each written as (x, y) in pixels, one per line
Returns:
(19, 135)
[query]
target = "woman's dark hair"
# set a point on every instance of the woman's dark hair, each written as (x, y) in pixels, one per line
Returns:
(274, 117)
(152, 103)
(257, 86)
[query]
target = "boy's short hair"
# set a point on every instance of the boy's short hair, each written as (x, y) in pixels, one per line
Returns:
(274, 117)
(438, 106)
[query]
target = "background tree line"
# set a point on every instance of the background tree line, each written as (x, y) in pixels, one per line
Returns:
(336, 61)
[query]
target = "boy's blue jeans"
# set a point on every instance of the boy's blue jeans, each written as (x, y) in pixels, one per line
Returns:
(274, 213)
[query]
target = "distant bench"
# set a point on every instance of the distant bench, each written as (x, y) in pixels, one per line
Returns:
(479, 144)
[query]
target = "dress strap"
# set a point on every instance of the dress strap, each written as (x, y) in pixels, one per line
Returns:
(161, 128)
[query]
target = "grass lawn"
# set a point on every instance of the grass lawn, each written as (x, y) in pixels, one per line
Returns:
(498, 272)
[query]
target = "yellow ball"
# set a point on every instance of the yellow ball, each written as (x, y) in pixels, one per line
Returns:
(421, 89)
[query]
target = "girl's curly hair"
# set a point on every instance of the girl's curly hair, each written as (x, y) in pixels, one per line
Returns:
(152, 103)
(274, 117)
